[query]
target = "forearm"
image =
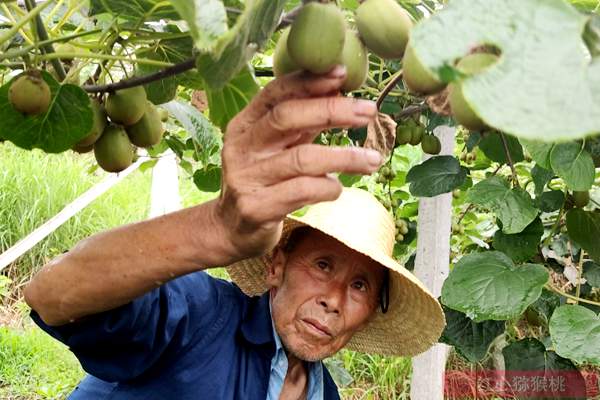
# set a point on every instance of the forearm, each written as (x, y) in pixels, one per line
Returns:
(112, 268)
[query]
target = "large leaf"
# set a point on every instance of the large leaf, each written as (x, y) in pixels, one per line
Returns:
(584, 229)
(471, 339)
(541, 177)
(591, 272)
(513, 207)
(539, 152)
(207, 20)
(435, 176)
(574, 165)
(493, 148)
(528, 361)
(139, 10)
(489, 285)
(575, 332)
(68, 120)
(540, 312)
(520, 246)
(225, 103)
(233, 50)
(543, 87)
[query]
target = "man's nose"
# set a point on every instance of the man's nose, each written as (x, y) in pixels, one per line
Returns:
(333, 298)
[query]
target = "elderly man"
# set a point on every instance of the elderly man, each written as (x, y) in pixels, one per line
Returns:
(146, 322)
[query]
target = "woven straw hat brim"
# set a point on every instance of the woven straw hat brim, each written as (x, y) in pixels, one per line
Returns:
(412, 324)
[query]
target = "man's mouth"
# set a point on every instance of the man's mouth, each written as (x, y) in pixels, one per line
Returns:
(317, 328)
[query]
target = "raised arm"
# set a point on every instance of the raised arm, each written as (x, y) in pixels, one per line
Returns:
(270, 168)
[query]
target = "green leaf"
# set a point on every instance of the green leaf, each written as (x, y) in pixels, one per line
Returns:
(489, 285)
(435, 176)
(539, 152)
(584, 229)
(529, 355)
(471, 339)
(227, 102)
(521, 246)
(550, 201)
(575, 332)
(574, 165)
(208, 180)
(68, 120)
(540, 312)
(513, 207)
(543, 87)
(234, 49)
(541, 177)
(591, 272)
(146, 10)
(207, 20)
(493, 148)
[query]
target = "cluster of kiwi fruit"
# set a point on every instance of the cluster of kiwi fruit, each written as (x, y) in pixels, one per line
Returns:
(413, 133)
(134, 121)
(319, 38)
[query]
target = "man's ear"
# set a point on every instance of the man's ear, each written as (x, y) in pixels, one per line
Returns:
(274, 278)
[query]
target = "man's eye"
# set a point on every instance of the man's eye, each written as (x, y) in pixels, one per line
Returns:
(323, 265)
(360, 285)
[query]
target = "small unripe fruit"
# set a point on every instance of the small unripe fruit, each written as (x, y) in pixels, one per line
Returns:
(164, 114)
(456, 193)
(581, 199)
(126, 106)
(114, 151)
(30, 94)
(431, 144)
(317, 36)
(282, 62)
(416, 77)
(417, 135)
(148, 130)
(356, 60)
(399, 237)
(384, 26)
(97, 127)
(403, 134)
(461, 110)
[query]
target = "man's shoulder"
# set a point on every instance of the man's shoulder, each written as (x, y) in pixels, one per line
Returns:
(330, 389)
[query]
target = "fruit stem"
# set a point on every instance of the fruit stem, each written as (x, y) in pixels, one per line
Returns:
(554, 227)
(142, 80)
(9, 33)
(550, 287)
(42, 35)
(104, 57)
(579, 272)
(509, 158)
(388, 88)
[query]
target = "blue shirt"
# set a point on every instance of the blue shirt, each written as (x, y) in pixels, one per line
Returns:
(279, 367)
(195, 337)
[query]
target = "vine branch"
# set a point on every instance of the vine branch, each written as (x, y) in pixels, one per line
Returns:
(552, 288)
(509, 158)
(388, 88)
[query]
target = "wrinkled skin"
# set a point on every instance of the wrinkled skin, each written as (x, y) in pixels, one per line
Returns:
(322, 293)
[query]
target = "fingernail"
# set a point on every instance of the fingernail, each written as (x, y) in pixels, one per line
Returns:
(366, 108)
(373, 157)
(338, 71)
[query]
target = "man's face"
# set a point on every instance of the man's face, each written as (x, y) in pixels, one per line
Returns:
(322, 293)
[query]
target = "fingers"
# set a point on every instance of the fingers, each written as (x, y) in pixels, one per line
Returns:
(296, 85)
(289, 118)
(290, 195)
(312, 160)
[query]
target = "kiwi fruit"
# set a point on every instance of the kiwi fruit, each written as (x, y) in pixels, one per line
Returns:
(431, 144)
(417, 133)
(581, 198)
(149, 130)
(316, 39)
(384, 26)
(461, 110)
(416, 77)
(282, 62)
(356, 60)
(30, 94)
(127, 106)
(114, 151)
(97, 127)
(403, 134)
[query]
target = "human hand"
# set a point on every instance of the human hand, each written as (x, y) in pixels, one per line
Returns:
(271, 167)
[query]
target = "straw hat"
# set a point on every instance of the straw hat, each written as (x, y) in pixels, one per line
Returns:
(414, 320)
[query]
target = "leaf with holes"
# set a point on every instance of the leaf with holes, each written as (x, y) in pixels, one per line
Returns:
(513, 207)
(575, 332)
(435, 176)
(68, 120)
(543, 86)
(489, 285)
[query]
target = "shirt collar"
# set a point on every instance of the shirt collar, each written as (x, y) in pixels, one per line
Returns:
(257, 327)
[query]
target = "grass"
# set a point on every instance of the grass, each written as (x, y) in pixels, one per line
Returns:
(33, 187)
